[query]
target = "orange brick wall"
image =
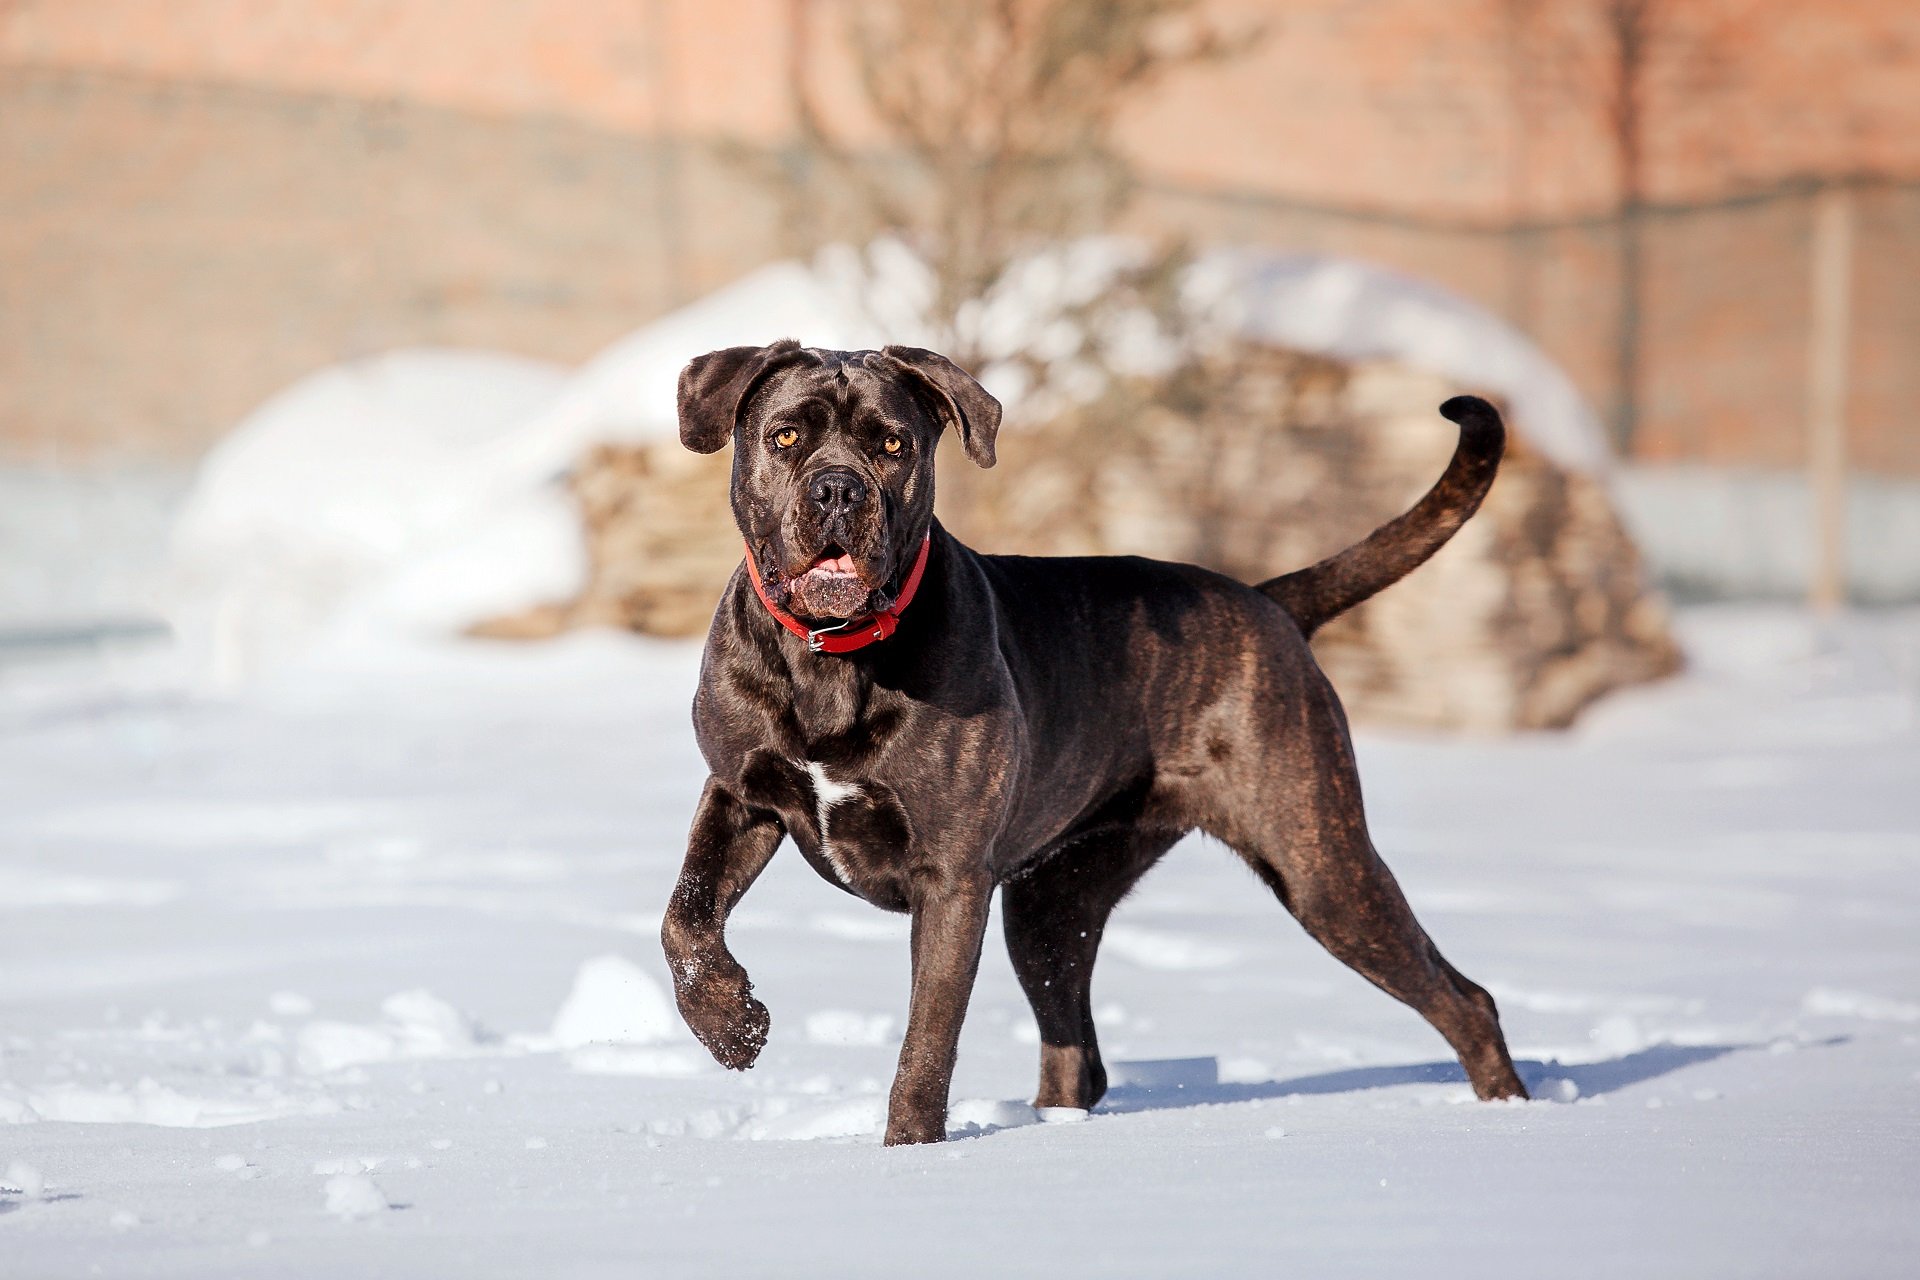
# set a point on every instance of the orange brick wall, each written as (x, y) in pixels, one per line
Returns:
(207, 197)
(1478, 109)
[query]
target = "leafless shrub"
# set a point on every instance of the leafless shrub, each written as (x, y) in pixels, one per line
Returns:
(989, 135)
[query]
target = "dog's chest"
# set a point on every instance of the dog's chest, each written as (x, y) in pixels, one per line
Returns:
(854, 832)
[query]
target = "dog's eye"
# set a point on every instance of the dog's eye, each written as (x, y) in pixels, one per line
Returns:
(893, 444)
(785, 437)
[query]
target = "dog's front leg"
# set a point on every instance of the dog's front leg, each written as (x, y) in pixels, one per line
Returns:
(949, 920)
(729, 846)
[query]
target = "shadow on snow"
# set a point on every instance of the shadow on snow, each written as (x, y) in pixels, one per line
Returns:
(1171, 1083)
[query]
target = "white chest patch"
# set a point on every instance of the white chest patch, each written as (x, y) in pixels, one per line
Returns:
(826, 794)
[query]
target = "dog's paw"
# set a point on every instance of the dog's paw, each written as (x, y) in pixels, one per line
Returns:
(908, 1133)
(738, 1045)
(916, 1115)
(727, 1020)
(1504, 1088)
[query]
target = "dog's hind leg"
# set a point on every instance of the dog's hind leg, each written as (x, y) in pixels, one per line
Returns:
(1305, 835)
(1054, 916)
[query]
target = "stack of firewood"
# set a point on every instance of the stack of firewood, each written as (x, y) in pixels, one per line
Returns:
(1253, 463)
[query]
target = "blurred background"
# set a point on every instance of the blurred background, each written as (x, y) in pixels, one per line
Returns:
(1680, 241)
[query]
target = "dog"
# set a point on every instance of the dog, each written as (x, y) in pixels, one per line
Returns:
(930, 724)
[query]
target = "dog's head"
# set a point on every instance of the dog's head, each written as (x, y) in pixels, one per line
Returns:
(833, 461)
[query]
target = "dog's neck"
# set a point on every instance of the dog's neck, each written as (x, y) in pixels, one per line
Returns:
(841, 636)
(857, 632)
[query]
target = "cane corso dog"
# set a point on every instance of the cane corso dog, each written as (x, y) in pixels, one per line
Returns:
(930, 724)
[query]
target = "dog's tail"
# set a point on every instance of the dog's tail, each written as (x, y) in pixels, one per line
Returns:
(1319, 593)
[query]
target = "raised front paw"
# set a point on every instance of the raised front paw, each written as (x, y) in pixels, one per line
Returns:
(723, 1015)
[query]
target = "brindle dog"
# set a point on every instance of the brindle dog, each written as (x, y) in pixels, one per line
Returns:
(1045, 726)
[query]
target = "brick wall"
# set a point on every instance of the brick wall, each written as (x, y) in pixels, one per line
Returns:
(206, 198)
(171, 254)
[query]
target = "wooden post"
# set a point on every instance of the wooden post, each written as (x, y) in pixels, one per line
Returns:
(1828, 345)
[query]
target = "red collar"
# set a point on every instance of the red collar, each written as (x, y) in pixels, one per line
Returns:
(855, 633)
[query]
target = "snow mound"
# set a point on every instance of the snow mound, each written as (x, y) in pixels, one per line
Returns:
(418, 1025)
(336, 484)
(1355, 310)
(613, 1000)
(326, 1047)
(23, 1178)
(1062, 1115)
(428, 1027)
(353, 1196)
(983, 1115)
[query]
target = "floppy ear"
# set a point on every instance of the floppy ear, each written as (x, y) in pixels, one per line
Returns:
(967, 406)
(715, 385)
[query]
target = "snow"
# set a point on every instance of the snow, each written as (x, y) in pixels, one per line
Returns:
(1734, 532)
(844, 1026)
(85, 541)
(628, 391)
(1856, 1004)
(410, 936)
(1152, 950)
(1358, 311)
(416, 1024)
(881, 293)
(25, 1180)
(397, 490)
(352, 1196)
(614, 1000)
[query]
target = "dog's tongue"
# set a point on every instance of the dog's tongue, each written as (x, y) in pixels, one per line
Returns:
(842, 563)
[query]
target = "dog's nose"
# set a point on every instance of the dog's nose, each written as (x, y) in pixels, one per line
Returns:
(837, 490)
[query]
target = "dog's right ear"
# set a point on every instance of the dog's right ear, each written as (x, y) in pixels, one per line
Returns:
(714, 386)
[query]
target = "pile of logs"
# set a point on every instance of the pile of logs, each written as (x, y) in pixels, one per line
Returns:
(1254, 463)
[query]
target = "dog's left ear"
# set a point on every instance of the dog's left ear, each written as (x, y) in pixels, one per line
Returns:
(714, 386)
(965, 403)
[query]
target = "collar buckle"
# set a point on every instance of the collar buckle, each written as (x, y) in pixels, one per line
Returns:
(817, 640)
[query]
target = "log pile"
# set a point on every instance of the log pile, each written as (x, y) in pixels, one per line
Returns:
(1254, 463)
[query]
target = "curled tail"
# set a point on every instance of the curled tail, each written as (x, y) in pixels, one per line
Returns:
(1319, 593)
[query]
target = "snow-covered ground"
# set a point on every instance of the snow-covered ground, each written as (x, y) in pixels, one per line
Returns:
(357, 975)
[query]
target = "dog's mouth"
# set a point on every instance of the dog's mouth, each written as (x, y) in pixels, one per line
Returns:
(832, 585)
(833, 561)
